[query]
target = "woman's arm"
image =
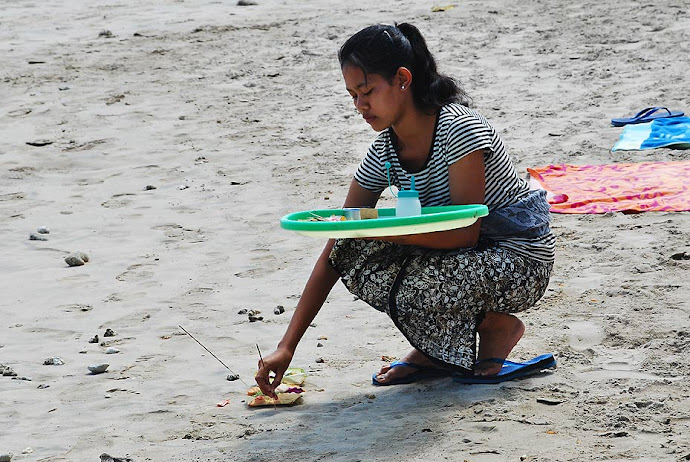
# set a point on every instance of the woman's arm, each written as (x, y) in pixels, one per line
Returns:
(315, 292)
(466, 178)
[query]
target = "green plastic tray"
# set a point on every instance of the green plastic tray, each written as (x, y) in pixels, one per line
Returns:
(387, 224)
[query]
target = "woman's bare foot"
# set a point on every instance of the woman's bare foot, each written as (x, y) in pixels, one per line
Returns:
(498, 335)
(388, 373)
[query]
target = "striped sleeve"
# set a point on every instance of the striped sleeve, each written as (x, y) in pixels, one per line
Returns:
(466, 134)
(371, 173)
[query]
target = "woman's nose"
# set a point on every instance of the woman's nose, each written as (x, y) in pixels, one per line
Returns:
(360, 103)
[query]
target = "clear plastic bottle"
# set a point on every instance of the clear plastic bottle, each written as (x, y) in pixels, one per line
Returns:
(408, 204)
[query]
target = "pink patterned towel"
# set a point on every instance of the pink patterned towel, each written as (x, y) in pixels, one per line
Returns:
(641, 187)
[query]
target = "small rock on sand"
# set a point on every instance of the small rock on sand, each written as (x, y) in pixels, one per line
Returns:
(43, 230)
(55, 361)
(77, 258)
(37, 237)
(39, 143)
(233, 377)
(108, 458)
(109, 333)
(94, 339)
(7, 371)
(98, 368)
(74, 260)
(5, 457)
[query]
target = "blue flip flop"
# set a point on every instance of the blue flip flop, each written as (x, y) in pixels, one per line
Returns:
(510, 370)
(421, 373)
(647, 115)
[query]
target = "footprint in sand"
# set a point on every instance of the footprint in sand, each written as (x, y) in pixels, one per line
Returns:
(176, 233)
(264, 264)
(135, 273)
(118, 201)
(584, 335)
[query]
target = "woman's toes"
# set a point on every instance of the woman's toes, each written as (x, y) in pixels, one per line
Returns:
(487, 369)
(389, 373)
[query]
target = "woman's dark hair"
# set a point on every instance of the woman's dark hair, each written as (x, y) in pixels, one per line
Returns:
(382, 49)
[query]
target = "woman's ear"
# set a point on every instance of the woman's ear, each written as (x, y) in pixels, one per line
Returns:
(403, 78)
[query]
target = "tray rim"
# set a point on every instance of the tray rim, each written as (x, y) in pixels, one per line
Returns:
(431, 214)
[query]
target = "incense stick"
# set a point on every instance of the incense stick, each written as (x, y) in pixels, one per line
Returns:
(264, 366)
(318, 217)
(217, 358)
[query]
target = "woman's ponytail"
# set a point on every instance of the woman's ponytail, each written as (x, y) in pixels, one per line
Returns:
(431, 90)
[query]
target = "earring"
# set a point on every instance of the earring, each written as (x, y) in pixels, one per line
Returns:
(402, 87)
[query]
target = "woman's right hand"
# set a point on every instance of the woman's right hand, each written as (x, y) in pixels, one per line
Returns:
(276, 362)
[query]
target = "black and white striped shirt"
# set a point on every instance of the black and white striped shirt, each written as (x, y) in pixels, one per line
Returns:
(459, 132)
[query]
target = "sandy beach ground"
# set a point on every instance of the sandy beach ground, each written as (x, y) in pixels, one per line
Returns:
(168, 137)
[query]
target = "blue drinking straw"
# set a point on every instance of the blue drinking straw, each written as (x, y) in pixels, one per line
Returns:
(387, 166)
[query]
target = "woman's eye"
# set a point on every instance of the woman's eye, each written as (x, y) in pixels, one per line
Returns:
(367, 93)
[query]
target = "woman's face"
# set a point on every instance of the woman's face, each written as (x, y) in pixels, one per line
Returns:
(374, 97)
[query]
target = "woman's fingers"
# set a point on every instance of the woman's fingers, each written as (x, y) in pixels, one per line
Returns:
(263, 381)
(278, 378)
(277, 362)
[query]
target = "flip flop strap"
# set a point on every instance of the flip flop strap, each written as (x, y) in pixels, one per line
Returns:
(406, 364)
(649, 111)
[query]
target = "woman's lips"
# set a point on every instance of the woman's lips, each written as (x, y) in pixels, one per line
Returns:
(369, 118)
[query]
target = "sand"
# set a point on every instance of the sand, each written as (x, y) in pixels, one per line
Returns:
(172, 136)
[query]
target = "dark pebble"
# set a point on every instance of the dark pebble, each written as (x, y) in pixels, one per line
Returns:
(39, 143)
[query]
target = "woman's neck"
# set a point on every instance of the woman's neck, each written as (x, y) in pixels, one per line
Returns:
(414, 134)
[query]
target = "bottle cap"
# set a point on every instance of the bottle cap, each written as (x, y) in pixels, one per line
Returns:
(408, 193)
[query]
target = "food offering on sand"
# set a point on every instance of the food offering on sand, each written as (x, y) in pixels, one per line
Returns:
(286, 395)
(289, 391)
(294, 376)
